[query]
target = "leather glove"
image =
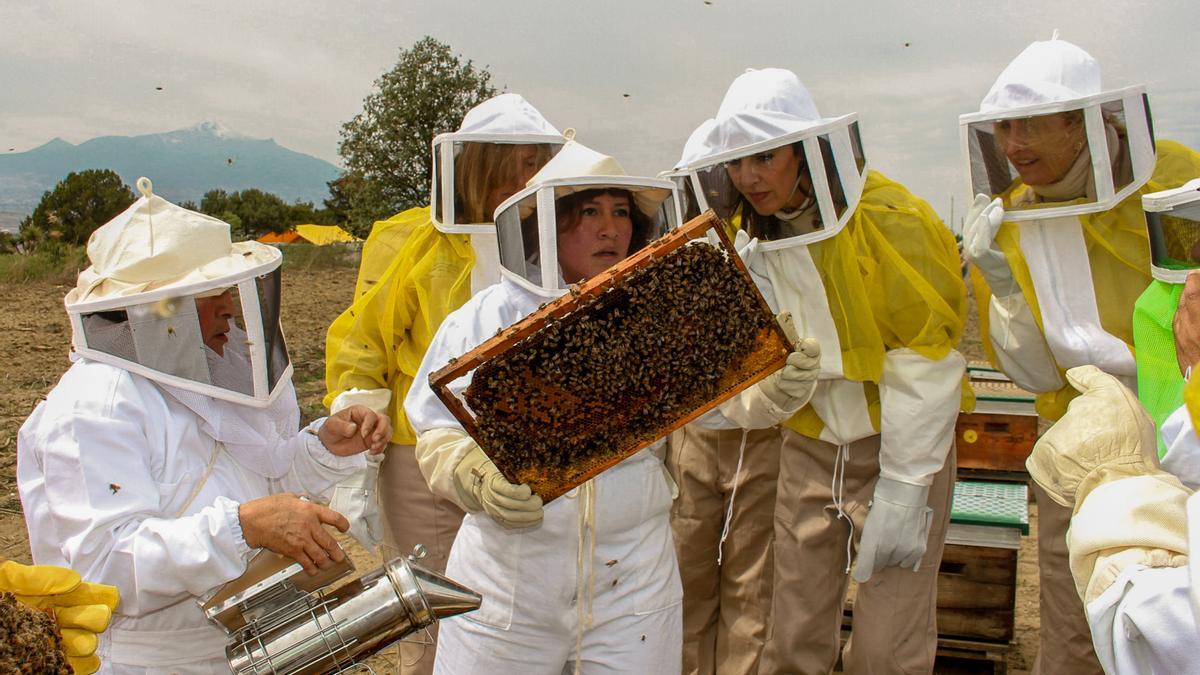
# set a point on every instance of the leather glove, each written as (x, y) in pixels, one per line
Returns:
(1104, 436)
(748, 251)
(357, 498)
(791, 387)
(482, 487)
(896, 530)
(979, 245)
(81, 609)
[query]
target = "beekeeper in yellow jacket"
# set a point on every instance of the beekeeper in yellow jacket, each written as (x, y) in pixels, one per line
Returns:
(1058, 242)
(870, 271)
(374, 348)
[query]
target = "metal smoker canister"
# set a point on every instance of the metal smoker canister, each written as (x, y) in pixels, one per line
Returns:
(315, 633)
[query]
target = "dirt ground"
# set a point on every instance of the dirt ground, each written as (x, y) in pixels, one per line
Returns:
(37, 339)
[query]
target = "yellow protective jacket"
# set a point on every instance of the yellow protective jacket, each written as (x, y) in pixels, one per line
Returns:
(893, 280)
(1118, 249)
(378, 343)
(383, 244)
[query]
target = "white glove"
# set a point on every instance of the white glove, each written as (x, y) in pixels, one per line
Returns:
(357, 498)
(482, 487)
(748, 251)
(896, 529)
(979, 245)
(793, 385)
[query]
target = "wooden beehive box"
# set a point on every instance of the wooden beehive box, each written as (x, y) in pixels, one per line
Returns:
(977, 581)
(999, 435)
(977, 593)
(618, 362)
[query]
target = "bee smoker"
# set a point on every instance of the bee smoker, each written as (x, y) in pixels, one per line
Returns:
(280, 621)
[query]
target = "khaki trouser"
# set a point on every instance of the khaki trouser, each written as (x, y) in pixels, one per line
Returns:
(895, 629)
(1065, 642)
(413, 515)
(726, 607)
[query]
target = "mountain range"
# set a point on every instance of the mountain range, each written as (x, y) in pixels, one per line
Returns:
(183, 164)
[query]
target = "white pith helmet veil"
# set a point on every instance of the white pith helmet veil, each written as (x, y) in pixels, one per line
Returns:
(170, 297)
(1049, 99)
(501, 142)
(764, 110)
(527, 222)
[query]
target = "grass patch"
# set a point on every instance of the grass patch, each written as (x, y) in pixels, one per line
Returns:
(302, 257)
(52, 262)
(61, 263)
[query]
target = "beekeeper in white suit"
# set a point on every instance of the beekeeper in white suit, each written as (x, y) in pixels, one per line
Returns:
(1058, 243)
(870, 271)
(1132, 526)
(170, 450)
(552, 601)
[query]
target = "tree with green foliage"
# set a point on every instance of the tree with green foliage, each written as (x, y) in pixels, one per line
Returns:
(355, 204)
(386, 147)
(252, 213)
(76, 206)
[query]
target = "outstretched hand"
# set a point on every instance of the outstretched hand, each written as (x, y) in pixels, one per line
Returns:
(293, 527)
(354, 429)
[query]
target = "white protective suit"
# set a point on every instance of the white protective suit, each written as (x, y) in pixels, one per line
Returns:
(598, 573)
(127, 487)
(133, 469)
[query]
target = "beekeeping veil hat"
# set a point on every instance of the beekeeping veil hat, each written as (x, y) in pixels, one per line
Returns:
(1057, 78)
(153, 302)
(500, 144)
(1046, 72)
(1173, 221)
(768, 109)
(690, 206)
(527, 222)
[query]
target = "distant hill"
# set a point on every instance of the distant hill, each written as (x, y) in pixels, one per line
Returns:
(184, 164)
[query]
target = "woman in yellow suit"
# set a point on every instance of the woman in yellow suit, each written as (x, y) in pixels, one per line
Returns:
(1059, 246)
(374, 348)
(870, 271)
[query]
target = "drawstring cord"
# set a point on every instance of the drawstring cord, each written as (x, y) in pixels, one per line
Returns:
(585, 588)
(837, 488)
(737, 479)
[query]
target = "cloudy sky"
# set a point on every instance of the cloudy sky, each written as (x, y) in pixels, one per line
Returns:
(295, 71)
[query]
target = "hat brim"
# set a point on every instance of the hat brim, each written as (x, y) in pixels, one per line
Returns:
(647, 198)
(246, 259)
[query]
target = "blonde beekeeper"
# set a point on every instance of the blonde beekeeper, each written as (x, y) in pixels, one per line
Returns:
(374, 348)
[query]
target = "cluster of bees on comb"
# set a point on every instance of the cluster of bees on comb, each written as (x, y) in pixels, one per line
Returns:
(29, 640)
(621, 367)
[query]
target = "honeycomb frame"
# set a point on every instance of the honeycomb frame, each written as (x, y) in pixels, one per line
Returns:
(769, 353)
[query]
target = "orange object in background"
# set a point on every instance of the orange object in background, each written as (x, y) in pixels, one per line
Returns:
(999, 435)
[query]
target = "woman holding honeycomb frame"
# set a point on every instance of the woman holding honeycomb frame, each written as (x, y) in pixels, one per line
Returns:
(611, 602)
